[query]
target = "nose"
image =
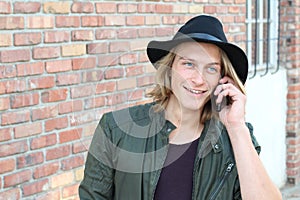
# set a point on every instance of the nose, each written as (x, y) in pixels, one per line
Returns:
(197, 77)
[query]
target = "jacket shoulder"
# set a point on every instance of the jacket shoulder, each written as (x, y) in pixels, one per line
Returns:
(139, 114)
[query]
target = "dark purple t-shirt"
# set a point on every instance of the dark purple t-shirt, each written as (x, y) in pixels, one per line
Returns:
(176, 179)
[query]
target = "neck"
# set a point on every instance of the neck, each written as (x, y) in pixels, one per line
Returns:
(187, 122)
(181, 117)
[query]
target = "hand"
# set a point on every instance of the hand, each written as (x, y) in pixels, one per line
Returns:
(234, 113)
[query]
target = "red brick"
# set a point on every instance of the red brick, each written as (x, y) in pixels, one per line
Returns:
(114, 20)
(78, 119)
(40, 22)
(116, 98)
(15, 117)
(114, 73)
(106, 8)
(27, 7)
(82, 7)
(97, 48)
(30, 159)
(11, 86)
(58, 152)
(23, 100)
(43, 141)
(234, 9)
(28, 129)
(5, 7)
(73, 162)
(134, 70)
(46, 170)
(17, 178)
(67, 79)
(163, 8)
(22, 39)
(82, 35)
(30, 69)
(210, 9)
(92, 76)
(166, 31)
(81, 146)
(135, 20)
(170, 19)
(67, 21)
(127, 33)
(13, 148)
(69, 107)
(10, 194)
(7, 165)
(44, 113)
(54, 95)
(9, 23)
(119, 46)
(84, 63)
(51, 194)
(92, 21)
(105, 87)
(82, 91)
(56, 124)
(5, 134)
(7, 71)
(56, 7)
(56, 36)
(94, 102)
(70, 191)
(105, 34)
(15, 55)
(107, 60)
(4, 103)
(146, 80)
(41, 82)
(5, 40)
(35, 187)
(153, 20)
(58, 66)
(135, 95)
(130, 58)
(127, 8)
(46, 52)
(146, 8)
(143, 57)
(146, 32)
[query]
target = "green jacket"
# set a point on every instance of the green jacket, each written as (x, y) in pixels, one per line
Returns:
(129, 148)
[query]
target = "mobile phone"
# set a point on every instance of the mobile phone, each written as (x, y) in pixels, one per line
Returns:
(218, 106)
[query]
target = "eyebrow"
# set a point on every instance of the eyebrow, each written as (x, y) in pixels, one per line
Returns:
(190, 59)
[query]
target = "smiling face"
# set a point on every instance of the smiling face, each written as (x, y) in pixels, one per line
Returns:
(196, 70)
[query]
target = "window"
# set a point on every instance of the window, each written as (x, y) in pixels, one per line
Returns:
(262, 35)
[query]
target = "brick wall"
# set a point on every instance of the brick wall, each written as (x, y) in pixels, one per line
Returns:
(290, 58)
(63, 64)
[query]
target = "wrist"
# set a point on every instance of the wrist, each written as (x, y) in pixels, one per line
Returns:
(237, 130)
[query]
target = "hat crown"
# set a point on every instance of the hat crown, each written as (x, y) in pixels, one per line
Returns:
(205, 25)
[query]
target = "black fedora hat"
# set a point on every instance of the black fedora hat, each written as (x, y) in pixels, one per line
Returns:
(202, 28)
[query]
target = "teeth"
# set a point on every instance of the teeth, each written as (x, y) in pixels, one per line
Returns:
(194, 91)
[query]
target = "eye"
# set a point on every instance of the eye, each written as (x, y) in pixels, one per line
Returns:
(188, 64)
(212, 69)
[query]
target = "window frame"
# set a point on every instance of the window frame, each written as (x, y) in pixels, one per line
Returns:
(272, 22)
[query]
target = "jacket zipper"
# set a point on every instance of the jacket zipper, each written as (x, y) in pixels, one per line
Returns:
(224, 178)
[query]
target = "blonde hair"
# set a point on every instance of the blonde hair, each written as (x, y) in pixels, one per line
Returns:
(162, 91)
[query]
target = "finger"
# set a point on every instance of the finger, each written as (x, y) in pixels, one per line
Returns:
(227, 90)
(218, 89)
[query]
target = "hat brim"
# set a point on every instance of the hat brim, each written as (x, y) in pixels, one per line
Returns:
(158, 49)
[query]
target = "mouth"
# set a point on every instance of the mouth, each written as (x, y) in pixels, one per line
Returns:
(194, 91)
